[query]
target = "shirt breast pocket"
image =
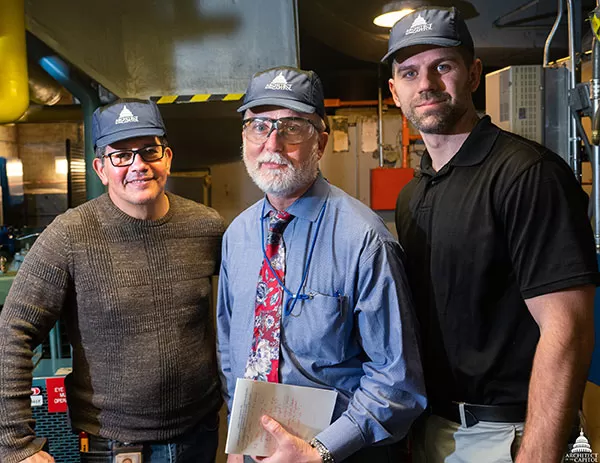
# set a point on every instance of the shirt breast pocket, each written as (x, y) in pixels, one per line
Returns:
(319, 328)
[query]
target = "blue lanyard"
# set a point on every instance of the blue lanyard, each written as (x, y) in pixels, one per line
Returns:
(292, 297)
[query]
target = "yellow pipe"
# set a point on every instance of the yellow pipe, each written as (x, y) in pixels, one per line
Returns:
(14, 89)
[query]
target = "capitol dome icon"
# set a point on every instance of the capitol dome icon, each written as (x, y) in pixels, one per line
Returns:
(581, 445)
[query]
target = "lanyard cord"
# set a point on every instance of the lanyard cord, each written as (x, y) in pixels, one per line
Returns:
(291, 296)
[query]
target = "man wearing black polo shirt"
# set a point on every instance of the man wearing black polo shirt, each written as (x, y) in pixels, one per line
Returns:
(500, 257)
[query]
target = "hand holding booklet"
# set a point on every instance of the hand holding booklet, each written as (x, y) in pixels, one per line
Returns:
(302, 411)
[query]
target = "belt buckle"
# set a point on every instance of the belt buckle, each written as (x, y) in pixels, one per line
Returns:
(467, 418)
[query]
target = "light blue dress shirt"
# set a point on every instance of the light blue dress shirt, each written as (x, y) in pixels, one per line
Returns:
(357, 332)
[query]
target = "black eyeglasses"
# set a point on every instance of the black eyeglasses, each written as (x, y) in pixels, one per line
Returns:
(124, 158)
(292, 130)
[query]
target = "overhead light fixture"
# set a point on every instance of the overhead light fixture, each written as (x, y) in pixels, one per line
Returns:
(391, 17)
(391, 12)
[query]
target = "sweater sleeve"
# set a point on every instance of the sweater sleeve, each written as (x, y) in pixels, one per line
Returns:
(31, 309)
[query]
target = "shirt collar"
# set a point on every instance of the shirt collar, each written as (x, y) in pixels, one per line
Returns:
(309, 204)
(473, 151)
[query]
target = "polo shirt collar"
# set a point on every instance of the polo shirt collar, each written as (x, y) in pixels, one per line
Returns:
(473, 151)
(309, 204)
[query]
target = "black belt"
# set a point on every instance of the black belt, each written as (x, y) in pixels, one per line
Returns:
(476, 413)
(101, 444)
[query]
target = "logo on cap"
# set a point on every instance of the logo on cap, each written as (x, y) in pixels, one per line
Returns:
(418, 25)
(126, 116)
(279, 83)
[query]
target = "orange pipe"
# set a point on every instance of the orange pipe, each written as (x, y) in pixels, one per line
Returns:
(406, 139)
(406, 135)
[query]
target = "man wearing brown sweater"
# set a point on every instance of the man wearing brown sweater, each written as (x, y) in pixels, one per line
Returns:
(130, 272)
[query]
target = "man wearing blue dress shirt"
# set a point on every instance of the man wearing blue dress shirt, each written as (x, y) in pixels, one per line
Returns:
(347, 321)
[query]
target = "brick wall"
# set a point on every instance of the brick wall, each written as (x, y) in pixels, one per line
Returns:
(39, 147)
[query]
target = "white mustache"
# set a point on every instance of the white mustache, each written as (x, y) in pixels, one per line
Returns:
(274, 158)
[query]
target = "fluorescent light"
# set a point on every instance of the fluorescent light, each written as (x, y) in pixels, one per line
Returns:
(61, 166)
(389, 19)
(14, 168)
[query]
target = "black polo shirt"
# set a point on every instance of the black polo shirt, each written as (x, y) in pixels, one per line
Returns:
(504, 221)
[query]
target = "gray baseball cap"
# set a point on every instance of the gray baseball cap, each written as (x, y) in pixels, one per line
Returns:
(429, 26)
(287, 87)
(127, 118)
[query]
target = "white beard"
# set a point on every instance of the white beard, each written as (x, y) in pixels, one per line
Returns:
(286, 182)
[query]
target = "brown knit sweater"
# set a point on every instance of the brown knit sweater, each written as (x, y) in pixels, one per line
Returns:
(135, 296)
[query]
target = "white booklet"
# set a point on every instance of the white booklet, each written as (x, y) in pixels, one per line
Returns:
(302, 411)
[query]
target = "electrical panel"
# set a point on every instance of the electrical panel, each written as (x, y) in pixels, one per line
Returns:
(514, 100)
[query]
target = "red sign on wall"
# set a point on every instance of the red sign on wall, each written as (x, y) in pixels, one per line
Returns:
(57, 396)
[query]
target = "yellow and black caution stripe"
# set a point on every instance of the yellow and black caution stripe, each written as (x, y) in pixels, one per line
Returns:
(198, 98)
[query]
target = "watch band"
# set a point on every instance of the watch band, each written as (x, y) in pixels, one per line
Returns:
(326, 456)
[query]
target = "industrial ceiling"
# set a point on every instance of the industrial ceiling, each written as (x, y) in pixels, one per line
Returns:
(339, 40)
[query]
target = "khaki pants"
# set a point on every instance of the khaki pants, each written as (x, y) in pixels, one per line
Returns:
(438, 440)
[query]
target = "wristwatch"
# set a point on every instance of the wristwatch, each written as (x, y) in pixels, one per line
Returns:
(326, 456)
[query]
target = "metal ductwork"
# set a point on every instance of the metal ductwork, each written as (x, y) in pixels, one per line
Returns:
(43, 89)
(14, 91)
(42, 114)
(144, 49)
(61, 72)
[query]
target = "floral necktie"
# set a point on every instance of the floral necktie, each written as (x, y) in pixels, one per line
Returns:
(263, 362)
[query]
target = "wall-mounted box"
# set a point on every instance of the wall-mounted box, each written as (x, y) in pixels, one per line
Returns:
(386, 184)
